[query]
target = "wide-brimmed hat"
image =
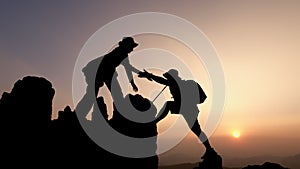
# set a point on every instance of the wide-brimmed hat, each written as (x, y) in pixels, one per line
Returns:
(128, 42)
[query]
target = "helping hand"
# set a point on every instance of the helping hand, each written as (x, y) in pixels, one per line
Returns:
(145, 74)
(134, 88)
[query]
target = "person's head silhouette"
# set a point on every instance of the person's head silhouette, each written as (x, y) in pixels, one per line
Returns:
(172, 73)
(128, 44)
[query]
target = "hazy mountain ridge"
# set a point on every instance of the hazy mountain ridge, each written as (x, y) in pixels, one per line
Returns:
(186, 166)
(292, 162)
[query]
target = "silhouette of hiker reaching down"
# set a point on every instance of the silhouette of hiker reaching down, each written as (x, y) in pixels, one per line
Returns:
(101, 70)
(186, 95)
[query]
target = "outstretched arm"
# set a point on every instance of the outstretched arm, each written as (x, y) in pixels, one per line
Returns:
(129, 70)
(150, 76)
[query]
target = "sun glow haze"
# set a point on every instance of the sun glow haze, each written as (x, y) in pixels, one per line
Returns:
(236, 134)
(257, 43)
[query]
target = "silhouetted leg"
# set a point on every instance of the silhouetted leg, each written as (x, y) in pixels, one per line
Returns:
(201, 135)
(174, 107)
(86, 103)
(102, 108)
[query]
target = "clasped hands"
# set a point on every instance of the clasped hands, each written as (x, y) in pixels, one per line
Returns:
(141, 74)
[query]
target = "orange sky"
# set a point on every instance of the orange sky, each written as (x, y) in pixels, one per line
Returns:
(257, 43)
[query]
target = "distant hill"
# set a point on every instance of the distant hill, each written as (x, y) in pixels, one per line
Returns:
(179, 166)
(186, 166)
(292, 162)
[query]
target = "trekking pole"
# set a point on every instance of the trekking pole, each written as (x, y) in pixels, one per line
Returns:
(159, 93)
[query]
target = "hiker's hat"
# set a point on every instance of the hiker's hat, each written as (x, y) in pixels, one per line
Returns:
(128, 42)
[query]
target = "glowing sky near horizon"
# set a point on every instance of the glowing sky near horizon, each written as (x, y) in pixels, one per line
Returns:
(257, 42)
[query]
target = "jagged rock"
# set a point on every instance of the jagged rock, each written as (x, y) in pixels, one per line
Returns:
(73, 144)
(266, 165)
(25, 121)
(136, 130)
(30, 99)
(211, 160)
(31, 138)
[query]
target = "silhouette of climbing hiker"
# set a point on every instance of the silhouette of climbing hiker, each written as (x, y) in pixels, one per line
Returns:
(101, 70)
(186, 95)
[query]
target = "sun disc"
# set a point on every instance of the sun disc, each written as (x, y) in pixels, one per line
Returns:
(236, 134)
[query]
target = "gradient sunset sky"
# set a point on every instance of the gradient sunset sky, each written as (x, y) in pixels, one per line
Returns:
(257, 43)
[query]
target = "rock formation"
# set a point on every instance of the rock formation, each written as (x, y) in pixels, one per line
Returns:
(25, 121)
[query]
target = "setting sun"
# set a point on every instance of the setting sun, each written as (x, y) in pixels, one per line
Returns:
(236, 134)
